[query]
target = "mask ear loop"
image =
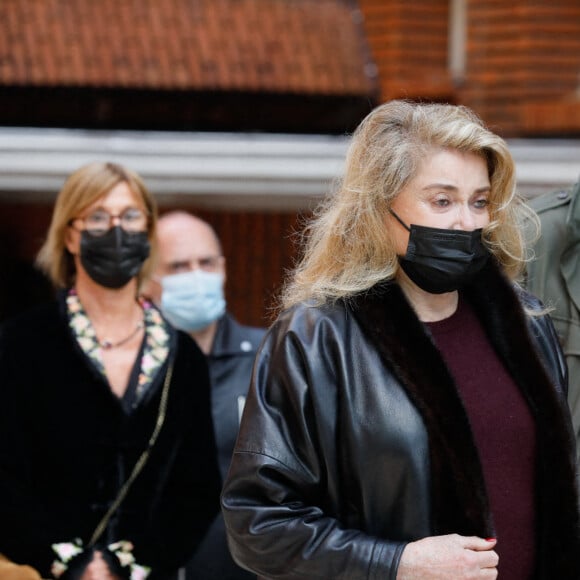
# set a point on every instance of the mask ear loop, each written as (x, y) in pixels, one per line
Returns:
(399, 220)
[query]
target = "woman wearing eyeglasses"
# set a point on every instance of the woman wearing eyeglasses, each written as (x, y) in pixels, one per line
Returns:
(107, 459)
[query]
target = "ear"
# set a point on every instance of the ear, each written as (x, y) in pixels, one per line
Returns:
(222, 269)
(72, 240)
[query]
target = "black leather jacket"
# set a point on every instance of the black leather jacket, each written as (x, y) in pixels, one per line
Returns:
(355, 442)
(230, 369)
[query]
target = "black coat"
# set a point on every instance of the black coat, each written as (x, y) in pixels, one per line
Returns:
(355, 441)
(66, 447)
(230, 367)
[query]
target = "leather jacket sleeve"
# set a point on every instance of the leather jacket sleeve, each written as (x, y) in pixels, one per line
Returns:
(280, 498)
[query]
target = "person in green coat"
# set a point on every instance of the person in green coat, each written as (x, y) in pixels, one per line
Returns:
(553, 275)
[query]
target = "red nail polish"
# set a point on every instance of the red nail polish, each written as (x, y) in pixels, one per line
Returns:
(490, 539)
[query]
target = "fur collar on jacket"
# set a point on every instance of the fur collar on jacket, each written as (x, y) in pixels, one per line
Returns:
(460, 502)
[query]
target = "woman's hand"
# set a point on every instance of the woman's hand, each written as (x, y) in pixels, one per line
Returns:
(448, 558)
(98, 569)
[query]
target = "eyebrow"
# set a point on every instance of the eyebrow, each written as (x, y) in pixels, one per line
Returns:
(125, 208)
(178, 263)
(189, 261)
(449, 187)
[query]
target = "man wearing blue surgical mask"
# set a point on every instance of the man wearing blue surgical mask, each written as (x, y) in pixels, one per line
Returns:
(188, 285)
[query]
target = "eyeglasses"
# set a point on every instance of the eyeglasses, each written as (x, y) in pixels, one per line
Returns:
(100, 221)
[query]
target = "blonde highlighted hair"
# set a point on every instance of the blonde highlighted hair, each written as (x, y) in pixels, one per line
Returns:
(81, 189)
(347, 247)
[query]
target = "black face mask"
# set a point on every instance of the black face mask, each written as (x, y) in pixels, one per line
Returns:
(114, 258)
(440, 260)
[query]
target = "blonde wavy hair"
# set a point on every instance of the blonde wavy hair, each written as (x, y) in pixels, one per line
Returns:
(347, 247)
(81, 189)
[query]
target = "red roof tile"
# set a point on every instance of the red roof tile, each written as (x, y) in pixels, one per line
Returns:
(284, 46)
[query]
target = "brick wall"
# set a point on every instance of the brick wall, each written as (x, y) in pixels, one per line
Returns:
(409, 45)
(521, 54)
(522, 72)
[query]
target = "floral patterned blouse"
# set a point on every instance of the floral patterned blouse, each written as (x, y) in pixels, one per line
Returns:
(154, 350)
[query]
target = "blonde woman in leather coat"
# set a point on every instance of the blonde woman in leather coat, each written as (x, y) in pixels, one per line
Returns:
(407, 416)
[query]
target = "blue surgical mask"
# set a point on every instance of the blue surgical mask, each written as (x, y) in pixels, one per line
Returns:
(192, 300)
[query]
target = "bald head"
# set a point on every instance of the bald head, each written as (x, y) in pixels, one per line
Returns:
(185, 243)
(175, 223)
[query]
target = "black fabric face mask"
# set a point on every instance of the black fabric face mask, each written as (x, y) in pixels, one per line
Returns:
(440, 260)
(114, 258)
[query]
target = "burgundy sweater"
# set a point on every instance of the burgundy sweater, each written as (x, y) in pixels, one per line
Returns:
(504, 432)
